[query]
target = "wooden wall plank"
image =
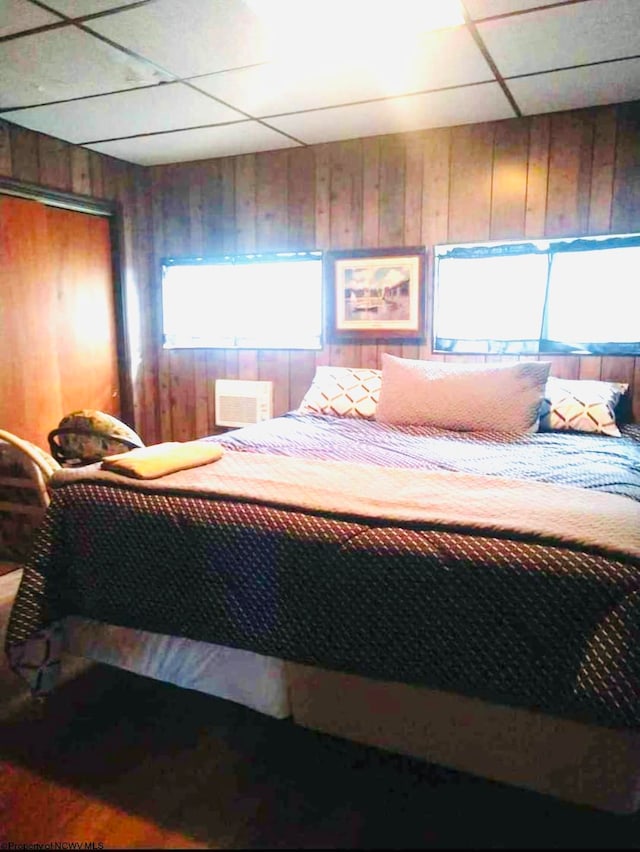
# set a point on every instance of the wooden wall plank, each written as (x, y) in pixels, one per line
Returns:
(470, 182)
(436, 151)
(563, 366)
(201, 402)
(248, 364)
(509, 184)
(96, 172)
(590, 367)
(210, 179)
(617, 368)
(604, 155)
(110, 174)
(392, 191)
(323, 196)
(537, 175)
(414, 166)
(569, 185)
(196, 213)
(626, 196)
(24, 154)
(80, 171)
(245, 202)
(273, 366)
(301, 179)
(371, 192)
(54, 160)
(215, 369)
(346, 195)
(6, 168)
(271, 219)
(302, 370)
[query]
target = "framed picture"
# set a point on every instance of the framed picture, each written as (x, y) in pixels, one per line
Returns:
(375, 293)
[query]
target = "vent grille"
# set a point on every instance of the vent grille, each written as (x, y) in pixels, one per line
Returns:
(241, 403)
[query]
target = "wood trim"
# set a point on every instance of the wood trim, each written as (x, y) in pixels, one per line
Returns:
(57, 198)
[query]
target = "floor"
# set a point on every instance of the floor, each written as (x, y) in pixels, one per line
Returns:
(131, 763)
(8, 568)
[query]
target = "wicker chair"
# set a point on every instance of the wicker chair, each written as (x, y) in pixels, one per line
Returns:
(25, 471)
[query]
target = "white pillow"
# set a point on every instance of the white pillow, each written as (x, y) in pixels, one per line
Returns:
(343, 392)
(463, 397)
(581, 405)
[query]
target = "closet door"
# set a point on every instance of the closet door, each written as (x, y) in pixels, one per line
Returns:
(58, 348)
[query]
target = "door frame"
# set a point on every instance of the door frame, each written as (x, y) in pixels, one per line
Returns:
(111, 210)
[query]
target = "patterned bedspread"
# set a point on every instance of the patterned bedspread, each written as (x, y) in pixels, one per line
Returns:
(552, 627)
(563, 458)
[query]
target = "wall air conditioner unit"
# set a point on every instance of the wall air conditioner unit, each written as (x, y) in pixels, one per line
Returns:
(240, 403)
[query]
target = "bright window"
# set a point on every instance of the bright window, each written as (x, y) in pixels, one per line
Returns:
(569, 295)
(259, 301)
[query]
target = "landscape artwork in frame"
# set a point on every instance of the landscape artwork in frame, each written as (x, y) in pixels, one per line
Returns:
(375, 293)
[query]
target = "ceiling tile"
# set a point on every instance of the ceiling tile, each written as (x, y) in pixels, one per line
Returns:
(77, 8)
(184, 145)
(189, 37)
(331, 28)
(564, 35)
(478, 9)
(612, 82)
(168, 107)
(65, 63)
(280, 87)
(485, 102)
(19, 15)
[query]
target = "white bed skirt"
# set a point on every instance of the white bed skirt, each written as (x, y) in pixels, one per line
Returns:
(254, 680)
(582, 763)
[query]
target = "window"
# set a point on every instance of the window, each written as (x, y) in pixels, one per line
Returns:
(253, 301)
(575, 295)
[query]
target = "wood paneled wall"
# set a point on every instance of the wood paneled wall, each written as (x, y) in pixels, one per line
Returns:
(559, 174)
(38, 159)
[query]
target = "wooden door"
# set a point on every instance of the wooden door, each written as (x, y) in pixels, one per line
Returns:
(58, 348)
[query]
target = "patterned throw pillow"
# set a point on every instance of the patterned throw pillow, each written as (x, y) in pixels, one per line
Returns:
(581, 405)
(344, 392)
(461, 396)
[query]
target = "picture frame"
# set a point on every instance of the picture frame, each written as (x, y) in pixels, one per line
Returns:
(375, 293)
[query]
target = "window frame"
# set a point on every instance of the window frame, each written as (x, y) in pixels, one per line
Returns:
(550, 247)
(248, 258)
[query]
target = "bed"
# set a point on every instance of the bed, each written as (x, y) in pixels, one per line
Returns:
(307, 574)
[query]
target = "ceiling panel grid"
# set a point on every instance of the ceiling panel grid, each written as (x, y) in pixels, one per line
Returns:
(160, 81)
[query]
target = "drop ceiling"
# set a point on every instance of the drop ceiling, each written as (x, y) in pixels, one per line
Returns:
(161, 81)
